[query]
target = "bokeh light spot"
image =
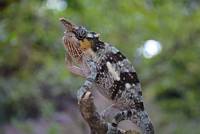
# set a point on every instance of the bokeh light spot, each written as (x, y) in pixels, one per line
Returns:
(58, 5)
(151, 48)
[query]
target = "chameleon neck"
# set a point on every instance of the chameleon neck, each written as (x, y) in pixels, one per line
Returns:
(97, 45)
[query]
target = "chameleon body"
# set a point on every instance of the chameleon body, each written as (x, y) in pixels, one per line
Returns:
(110, 72)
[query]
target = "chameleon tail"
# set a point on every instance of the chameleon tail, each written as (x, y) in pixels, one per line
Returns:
(140, 118)
(144, 123)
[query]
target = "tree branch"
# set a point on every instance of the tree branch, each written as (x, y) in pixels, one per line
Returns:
(94, 120)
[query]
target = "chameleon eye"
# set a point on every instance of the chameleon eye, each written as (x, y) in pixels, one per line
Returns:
(80, 33)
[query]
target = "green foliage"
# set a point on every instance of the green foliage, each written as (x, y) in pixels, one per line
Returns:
(32, 68)
(54, 129)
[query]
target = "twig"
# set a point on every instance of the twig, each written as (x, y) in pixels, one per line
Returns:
(94, 120)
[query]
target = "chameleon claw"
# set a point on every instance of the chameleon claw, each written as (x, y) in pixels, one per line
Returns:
(81, 93)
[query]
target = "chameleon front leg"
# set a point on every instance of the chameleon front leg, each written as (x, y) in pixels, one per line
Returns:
(89, 80)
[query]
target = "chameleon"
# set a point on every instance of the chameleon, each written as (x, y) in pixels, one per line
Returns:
(106, 69)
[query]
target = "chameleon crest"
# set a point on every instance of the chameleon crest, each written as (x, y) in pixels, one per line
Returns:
(109, 71)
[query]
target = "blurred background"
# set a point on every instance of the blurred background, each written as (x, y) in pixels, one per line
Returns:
(160, 37)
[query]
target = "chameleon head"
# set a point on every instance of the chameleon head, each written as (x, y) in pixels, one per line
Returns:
(77, 39)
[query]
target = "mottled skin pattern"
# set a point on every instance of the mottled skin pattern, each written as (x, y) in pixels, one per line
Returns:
(108, 70)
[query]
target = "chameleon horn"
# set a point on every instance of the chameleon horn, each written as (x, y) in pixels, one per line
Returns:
(68, 25)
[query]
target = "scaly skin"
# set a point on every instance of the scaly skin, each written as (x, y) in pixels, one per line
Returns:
(109, 71)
